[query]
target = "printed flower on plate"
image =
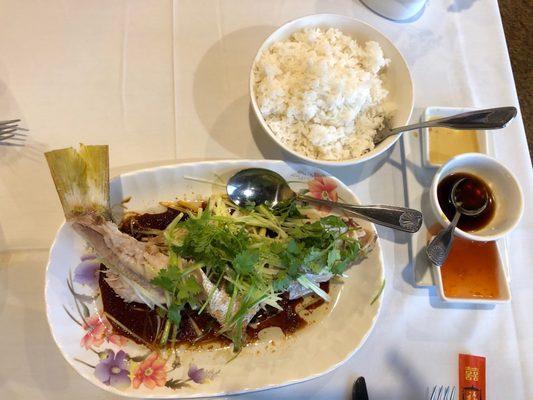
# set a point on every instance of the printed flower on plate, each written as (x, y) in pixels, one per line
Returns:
(86, 273)
(98, 330)
(200, 375)
(113, 369)
(324, 188)
(151, 372)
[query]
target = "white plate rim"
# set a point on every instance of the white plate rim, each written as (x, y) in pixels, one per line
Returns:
(176, 395)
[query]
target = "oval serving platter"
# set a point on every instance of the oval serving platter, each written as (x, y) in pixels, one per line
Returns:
(125, 368)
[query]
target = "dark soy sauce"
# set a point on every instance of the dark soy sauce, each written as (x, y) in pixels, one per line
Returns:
(142, 322)
(472, 194)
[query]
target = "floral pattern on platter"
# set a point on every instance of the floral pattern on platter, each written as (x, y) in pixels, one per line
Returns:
(151, 372)
(117, 368)
(323, 188)
(113, 369)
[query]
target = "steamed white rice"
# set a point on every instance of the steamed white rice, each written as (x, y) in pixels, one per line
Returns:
(321, 93)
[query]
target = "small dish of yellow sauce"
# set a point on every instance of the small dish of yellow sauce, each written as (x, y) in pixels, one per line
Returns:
(446, 143)
(442, 144)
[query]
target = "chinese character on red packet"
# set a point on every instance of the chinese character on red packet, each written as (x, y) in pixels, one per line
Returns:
(471, 377)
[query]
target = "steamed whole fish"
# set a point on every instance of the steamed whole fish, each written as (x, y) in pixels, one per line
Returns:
(254, 254)
(82, 182)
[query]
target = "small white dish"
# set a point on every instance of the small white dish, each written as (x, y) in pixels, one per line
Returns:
(397, 78)
(503, 286)
(440, 112)
(508, 197)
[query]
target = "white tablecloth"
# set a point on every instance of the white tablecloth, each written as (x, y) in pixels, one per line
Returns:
(161, 81)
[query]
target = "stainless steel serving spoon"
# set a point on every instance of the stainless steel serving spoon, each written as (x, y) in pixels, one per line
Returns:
(262, 186)
(439, 248)
(490, 118)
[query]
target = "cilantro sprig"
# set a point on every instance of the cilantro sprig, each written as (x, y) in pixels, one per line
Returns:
(253, 254)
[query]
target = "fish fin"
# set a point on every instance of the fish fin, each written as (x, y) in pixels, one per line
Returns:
(81, 178)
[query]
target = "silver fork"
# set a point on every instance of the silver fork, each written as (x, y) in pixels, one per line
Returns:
(8, 129)
(442, 393)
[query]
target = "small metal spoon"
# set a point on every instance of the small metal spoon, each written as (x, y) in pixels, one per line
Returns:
(262, 186)
(490, 118)
(439, 248)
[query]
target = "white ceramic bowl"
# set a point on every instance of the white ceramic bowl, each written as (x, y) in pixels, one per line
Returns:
(508, 198)
(396, 79)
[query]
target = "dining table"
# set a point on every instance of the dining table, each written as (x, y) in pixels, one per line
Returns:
(165, 82)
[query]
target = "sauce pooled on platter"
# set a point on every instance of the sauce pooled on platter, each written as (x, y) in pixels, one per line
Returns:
(144, 325)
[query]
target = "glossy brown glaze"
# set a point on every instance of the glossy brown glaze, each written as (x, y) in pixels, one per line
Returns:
(144, 325)
(136, 225)
(287, 320)
(472, 194)
(138, 318)
(143, 322)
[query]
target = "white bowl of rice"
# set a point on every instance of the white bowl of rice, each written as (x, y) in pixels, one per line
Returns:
(322, 86)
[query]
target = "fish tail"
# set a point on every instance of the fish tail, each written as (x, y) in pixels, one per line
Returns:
(81, 178)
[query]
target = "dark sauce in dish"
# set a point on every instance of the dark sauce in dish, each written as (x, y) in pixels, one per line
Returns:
(143, 324)
(472, 195)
